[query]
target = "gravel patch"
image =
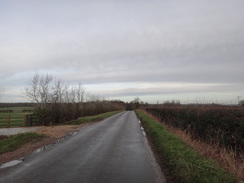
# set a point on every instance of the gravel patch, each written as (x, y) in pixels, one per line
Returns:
(14, 131)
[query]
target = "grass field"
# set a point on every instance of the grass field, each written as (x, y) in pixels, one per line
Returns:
(15, 110)
(15, 117)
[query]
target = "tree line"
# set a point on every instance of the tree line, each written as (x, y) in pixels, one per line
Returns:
(58, 102)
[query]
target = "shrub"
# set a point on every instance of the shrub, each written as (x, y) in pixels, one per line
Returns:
(43, 116)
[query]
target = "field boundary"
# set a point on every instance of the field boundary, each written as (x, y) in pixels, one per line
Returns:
(13, 120)
(183, 162)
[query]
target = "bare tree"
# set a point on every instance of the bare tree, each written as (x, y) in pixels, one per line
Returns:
(39, 89)
(57, 92)
(66, 94)
(31, 91)
(72, 95)
(136, 102)
(62, 102)
(45, 89)
(80, 93)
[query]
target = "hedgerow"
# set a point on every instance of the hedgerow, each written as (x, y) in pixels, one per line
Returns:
(221, 125)
(183, 162)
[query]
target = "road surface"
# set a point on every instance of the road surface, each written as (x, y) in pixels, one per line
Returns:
(111, 151)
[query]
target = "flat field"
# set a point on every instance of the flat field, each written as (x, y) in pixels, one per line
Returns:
(16, 110)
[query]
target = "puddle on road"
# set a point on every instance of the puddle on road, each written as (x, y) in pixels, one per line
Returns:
(11, 163)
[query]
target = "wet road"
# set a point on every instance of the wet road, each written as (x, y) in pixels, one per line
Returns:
(113, 150)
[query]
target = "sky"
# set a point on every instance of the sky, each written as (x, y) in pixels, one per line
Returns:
(159, 50)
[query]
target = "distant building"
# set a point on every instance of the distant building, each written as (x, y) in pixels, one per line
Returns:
(241, 102)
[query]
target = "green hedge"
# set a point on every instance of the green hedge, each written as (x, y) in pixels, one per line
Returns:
(185, 164)
(223, 125)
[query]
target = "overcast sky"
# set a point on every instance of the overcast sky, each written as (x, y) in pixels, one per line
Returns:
(188, 50)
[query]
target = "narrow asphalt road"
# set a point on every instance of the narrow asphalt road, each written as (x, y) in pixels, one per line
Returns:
(111, 151)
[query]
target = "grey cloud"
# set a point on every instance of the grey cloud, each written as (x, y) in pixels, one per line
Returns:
(190, 41)
(177, 88)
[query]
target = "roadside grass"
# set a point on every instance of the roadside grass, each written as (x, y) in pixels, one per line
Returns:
(183, 162)
(15, 141)
(93, 118)
(227, 159)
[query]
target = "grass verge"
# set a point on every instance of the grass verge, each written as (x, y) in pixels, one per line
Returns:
(93, 118)
(15, 141)
(183, 162)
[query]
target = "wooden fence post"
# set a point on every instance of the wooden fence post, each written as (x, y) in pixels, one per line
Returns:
(8, 123)
(25, 120)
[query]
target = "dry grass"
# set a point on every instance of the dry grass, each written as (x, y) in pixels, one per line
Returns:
(226, 159)
(229, 160)
(59, 131)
